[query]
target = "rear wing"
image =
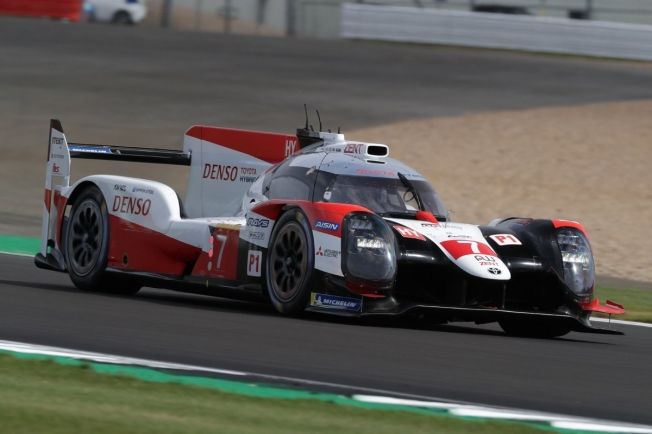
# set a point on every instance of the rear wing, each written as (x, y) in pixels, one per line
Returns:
(126, 153)
(57, 173)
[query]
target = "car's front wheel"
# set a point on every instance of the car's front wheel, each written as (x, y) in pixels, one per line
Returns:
(290, 261)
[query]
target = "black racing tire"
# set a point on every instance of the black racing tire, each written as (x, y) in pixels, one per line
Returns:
(86, 246)
(290, 263)
(533, 328)
(122, 18)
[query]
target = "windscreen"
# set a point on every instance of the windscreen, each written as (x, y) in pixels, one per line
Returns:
(385, 196)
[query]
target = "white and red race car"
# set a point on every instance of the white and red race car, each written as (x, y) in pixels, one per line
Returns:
(314, 222)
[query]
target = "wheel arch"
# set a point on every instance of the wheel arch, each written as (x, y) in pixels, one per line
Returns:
(122, 12)
(75, 191)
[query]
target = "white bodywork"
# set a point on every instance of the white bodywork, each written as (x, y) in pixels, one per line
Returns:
(219, 178)
(107, 10)
(464, 245)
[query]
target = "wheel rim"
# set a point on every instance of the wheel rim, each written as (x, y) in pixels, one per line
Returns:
(85, 237)
(288, 262)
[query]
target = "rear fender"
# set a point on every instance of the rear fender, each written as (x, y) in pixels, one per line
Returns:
(141, 217)
(142, 202)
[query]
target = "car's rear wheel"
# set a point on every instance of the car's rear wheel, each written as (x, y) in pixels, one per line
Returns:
(87, 246)
(290, 261)
(533, 328)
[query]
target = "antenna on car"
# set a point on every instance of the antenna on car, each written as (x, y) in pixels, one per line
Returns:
(318, 117)
(305, 109)
(338, 130)
(307, 136)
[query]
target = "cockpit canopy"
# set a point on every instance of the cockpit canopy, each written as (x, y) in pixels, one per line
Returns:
(381, 184)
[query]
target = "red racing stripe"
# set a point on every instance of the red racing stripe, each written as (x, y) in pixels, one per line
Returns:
(459, 248)
(147, 250)
(270, 147)
(569, 224)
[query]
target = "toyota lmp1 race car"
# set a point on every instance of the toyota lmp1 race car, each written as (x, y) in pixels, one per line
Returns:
(310, 222)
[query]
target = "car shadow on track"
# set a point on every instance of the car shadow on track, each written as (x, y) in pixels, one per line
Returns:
(39, 285)
(205, 302)
(212, 303)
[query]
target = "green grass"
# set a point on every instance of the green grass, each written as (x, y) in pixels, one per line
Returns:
(637, 302)
(44, 397)
(18, 244)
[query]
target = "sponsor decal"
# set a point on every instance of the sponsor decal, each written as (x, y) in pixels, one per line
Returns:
(486, 261)
(131, 205)
(119, 187)
(290, 146)
(328, 253)
(57, 141)
(256, 235)
(248, 174)
(409, 233)
(335, 302)
(429, 225)
(220, 172)
(54, 156)
(453, 235)
(329, 226)
(494, 271)
(254, 259)
(145, 190)
(459, 248)
(99, 150)
(229, 173)
(257, 222)
(376, 172)
(55, 168)
(506, 240)
(354, 148)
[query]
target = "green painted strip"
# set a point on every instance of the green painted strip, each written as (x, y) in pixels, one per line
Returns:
(266, 391)
(19, 245)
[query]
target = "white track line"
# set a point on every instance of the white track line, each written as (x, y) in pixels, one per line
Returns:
(454, 408)
(487, 412)
(44, 350)
(26, 255)
(621, 322)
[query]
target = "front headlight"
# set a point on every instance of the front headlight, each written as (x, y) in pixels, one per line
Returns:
(576, 255)
(369, 253)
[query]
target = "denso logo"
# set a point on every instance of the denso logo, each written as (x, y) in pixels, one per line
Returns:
(220, 172)
(257, 223)
(131, 205)
(326, 225)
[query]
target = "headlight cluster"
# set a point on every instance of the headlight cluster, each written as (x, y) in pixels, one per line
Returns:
(576, 255)
(369, 253)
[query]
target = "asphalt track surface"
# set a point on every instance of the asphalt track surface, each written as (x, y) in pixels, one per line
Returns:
(598, 376)
(149, 85)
